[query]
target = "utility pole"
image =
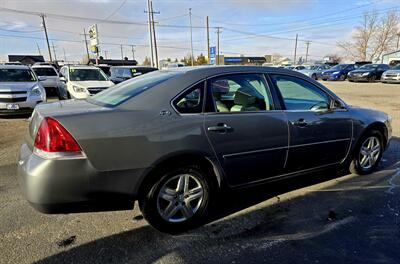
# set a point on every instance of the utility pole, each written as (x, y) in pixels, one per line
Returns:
(47, 37)
(65, 57)
(105, 54)
(154, 34)
(133, 52)
(122, 53)
(295, 50)
(86, 46)
(150, 35)
(218, 33)
(54, 51)
(191, 36)
(38, 48)
(398, 41)
(208, 40)
(308, 45)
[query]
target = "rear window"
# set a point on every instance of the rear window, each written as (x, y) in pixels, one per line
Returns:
(121, 92)
(45, 71)
(17, 75)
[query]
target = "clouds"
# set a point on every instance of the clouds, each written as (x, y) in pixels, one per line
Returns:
(253, 16)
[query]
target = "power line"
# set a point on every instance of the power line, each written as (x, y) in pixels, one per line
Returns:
(116, 10)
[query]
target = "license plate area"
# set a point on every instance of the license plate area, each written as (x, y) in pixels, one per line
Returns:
(12, 106)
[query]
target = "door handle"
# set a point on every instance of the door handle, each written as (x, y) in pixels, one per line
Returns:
(300, 123)
(220, 128)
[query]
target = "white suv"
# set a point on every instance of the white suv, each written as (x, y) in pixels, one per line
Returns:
(81, 81)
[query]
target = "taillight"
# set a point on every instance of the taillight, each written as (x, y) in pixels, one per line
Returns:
(53, 137)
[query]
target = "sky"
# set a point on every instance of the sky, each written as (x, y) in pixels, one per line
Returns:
(249, 27)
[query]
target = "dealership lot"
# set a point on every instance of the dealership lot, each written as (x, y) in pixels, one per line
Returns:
(320, 218)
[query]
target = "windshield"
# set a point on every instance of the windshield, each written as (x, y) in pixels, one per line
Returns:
(339, 67)
(123, 91)
(369, 67)
(87, 75)
(45, 71)
(17, 75)
(397, 67)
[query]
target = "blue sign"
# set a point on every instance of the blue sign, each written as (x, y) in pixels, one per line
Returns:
(213, 55)
(232, 59)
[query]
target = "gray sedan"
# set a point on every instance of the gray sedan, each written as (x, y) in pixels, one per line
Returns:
(173, 139)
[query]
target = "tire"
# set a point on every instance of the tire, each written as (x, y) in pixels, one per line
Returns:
(372, 79)
(357, 165)
(342, 77)
(155, 208)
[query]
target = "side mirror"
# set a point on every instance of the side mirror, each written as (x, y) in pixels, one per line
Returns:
(42, 78)
(320, 107)
(62, 79)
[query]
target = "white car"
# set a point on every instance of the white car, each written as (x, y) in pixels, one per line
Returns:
(80, 81)
(52, 82)
(20, 90)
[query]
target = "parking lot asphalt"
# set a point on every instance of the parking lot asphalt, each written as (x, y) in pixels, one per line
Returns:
(328, 217)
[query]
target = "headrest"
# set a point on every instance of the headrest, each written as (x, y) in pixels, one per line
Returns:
(243, 98)
(220, 86)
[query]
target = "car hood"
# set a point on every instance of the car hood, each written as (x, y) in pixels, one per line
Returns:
(330, 71)
(307, 71)
(392, 71)
(93, 84)
(361, 71)
(17, 87)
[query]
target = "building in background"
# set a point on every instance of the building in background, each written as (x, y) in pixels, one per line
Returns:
(243, 60)
(26, 59)
(392, 58)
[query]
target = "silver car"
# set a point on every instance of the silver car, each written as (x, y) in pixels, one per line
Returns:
(20, 89)
(174, 139)
(314, 71)
(52, 80)
(391, 76)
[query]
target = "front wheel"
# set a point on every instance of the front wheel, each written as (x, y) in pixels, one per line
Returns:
(178, 201)
(342, 77)
(368, 154)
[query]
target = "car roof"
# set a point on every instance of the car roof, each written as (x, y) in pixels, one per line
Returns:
(42, 66)
(82, 67)
(133, 67)
(8, 66)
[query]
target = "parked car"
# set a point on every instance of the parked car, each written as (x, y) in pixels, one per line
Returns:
(314, 71)
(368, 73)
(338, 72)
(52, 82)
(81, 81)
(173, 139)
(20, 89)
(122, 73)
(392, 75)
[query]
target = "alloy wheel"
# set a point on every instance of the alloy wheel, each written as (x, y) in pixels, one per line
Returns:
(369, 152)
(180, 198)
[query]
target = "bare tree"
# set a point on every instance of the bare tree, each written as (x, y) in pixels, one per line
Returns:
(374, 37)
(334, 58)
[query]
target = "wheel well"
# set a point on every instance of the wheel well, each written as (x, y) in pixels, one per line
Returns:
(374, 126)
(203, 162)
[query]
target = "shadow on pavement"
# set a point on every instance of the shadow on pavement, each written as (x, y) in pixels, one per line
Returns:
(353, 220)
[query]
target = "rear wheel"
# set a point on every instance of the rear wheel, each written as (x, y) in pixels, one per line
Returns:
(178, 201)
(368, 154)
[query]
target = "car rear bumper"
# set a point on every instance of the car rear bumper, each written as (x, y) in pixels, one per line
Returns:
(73, 185)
